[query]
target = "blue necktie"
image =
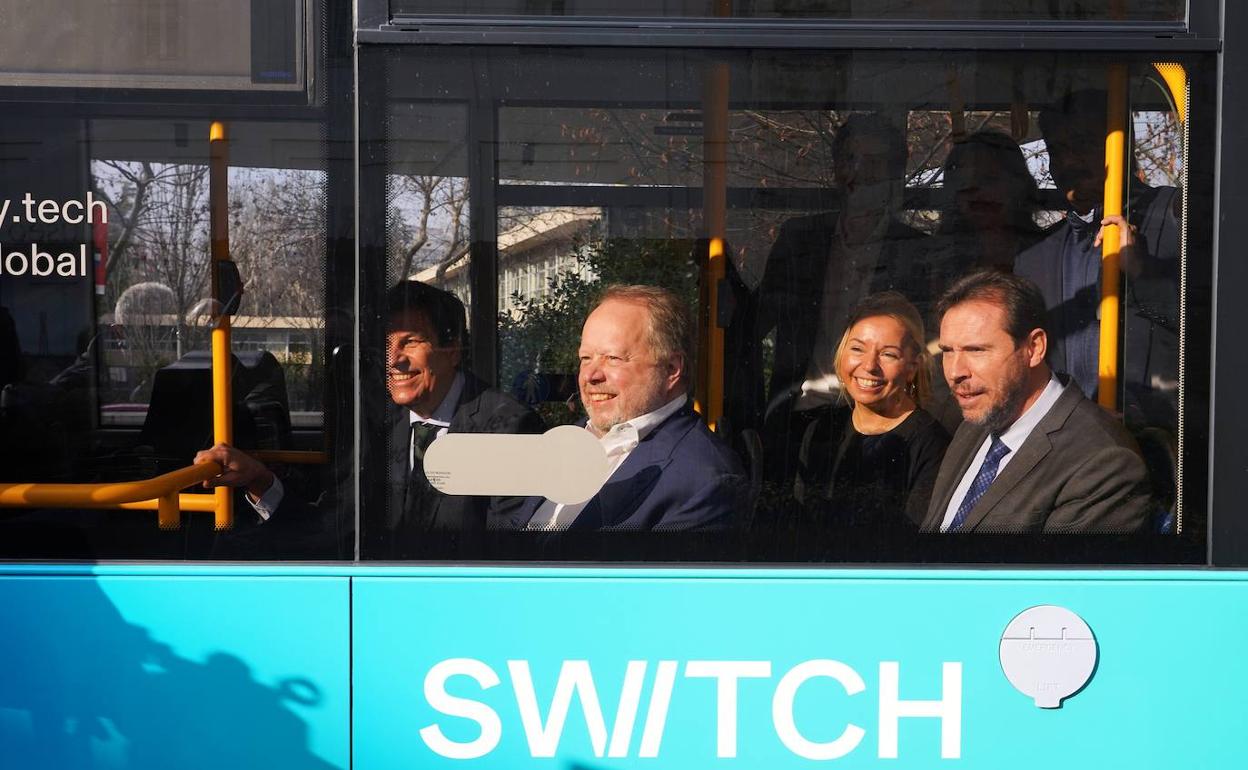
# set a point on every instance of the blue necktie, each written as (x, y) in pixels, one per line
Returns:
(983, 480)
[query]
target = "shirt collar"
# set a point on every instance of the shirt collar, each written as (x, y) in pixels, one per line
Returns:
(445, 412)
(627, 435)
(1083, 224)
(1016, 434)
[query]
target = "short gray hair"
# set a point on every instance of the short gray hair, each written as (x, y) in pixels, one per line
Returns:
(670, 332)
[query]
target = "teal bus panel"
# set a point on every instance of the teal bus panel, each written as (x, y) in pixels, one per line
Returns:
(163, 669)
(590, 669)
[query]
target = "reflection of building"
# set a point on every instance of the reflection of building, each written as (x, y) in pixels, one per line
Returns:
(538, 246)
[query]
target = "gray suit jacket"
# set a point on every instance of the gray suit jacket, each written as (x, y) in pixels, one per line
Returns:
(1078, 471)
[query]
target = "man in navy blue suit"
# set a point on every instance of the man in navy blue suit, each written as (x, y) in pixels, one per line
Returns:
(668, 471)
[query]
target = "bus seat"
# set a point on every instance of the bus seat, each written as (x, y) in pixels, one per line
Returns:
(179, 416)
(1158, 449)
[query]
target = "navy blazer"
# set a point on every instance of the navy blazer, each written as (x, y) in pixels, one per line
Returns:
(681, 476)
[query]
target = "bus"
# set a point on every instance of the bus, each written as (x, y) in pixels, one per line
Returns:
(205, 211)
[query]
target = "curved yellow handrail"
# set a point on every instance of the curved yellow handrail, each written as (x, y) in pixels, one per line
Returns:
(28, 495)
(1175, 76)
(160, 493)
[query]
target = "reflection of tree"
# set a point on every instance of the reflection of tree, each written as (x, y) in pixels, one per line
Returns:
(158, 236)
(428, 223)
(541, 335)
(158, 233)
(277, 234)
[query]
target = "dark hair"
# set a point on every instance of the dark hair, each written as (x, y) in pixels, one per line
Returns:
(1018, 297)
(860, 124)
(444, 310)
(1082, 106)
(1005, 152)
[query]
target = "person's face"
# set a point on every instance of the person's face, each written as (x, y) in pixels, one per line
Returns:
(419, 371)
(865, 172)
(1077, 162)
(620, 377)
(877, 365)
(981, 189)
(988, 374)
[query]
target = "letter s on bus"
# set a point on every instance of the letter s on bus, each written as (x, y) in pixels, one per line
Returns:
(440, 700)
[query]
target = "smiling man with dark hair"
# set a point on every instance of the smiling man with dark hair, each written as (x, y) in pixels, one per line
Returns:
(431, 394)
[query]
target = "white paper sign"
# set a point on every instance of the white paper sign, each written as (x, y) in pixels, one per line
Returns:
(566, 464)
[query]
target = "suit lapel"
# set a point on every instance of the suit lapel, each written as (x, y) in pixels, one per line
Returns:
(1033, 450)
(624, 493)
(957, 459)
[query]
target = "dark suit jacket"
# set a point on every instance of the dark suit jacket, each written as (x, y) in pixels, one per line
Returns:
(679, 477)
(397, 533)
(1078, 471)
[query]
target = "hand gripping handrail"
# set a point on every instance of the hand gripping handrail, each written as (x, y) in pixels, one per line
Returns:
(160, 493)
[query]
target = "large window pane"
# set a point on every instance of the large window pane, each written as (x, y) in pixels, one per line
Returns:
(844, 175)
(112, 378)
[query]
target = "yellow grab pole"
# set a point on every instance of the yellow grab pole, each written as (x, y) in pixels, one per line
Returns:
(117, 494)
(1175, 76)
(1115, 177)
(715, 215)
(219, 200)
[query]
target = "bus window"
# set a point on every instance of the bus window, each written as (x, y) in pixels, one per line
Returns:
(114, 376)
(849, 178)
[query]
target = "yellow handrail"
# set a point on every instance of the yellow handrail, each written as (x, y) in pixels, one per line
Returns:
(222, 397)
(1175, 76)
(715, 214)
(1115, 177)
(160, 493)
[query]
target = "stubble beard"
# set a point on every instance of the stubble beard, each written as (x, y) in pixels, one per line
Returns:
(1002, 415)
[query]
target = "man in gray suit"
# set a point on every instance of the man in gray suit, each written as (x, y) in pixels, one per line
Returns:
(1033, 455)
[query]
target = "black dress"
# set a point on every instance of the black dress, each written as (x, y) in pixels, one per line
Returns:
(883, 481)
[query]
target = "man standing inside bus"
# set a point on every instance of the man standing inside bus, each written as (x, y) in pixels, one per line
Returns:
(1033, 454)
(668, 471)
(431, 394)
(1066, 266)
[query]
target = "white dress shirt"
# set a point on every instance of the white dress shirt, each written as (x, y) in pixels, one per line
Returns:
(619, 443)
(1013, 437)
(441, 417)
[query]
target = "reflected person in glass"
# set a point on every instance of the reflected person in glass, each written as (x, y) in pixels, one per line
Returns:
(990, 202)
(872, 464)
(1066, 265)
(819, 268)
